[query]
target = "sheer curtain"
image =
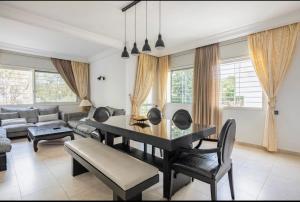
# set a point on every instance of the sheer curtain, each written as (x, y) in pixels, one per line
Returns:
(271, 52)
(162, 81)
(206, 108)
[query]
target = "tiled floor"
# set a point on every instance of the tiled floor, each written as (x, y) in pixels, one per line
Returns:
(46, 175)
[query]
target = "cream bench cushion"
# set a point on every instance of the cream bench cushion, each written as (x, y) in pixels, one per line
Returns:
(121, 168)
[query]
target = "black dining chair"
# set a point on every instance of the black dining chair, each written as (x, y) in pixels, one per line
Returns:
(182, 117)
(209, 165)
(154, 115)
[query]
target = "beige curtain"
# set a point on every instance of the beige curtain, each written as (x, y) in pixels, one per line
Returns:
(206, 108)
(162, 79)
(145, 75)
(81, 75)
(271, 52)
(64, 68)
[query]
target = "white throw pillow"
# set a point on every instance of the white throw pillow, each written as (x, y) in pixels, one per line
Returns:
(48, 117)
(6, 122)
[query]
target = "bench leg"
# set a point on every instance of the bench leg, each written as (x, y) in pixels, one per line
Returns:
(136, 198)
(77, 168)
(3, 162)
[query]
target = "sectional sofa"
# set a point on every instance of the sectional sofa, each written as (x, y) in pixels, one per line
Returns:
(15, 121)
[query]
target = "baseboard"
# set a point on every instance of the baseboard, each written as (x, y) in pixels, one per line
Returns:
(280, 151)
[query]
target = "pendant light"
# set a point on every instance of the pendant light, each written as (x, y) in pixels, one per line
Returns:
(146, 47)
(135, 50)
(159, 43)
(125, 54)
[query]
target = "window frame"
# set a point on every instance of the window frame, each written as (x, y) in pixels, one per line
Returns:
(237, 59)
(187, 67)
(33, 70)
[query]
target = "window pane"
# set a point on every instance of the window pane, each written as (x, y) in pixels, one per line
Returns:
(50, 87)
(239, 85)
(15, 87)
(182, 86)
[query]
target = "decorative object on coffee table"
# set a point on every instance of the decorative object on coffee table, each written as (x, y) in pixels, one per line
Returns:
(37, 134)
(85, 105)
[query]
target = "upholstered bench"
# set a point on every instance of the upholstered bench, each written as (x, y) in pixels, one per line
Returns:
(5, 146)
(126, 176)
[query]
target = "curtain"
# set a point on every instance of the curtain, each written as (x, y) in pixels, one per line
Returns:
(162, 79)
(64, 68)
(143, 81)
(206, 108)
(271, 52)
(81, 75)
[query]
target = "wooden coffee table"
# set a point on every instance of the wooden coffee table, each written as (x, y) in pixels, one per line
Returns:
(39, 133)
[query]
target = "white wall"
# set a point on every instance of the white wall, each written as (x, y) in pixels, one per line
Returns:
(288, 101)
(11, 59)
(112, 91)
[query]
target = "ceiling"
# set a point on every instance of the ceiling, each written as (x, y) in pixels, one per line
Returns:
(84, 29)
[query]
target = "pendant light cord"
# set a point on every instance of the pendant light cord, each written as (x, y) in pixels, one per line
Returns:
(160, 17)
(125, 29)
(135, 23)
(146, 19)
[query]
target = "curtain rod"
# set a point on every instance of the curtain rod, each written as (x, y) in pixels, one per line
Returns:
(129, 6)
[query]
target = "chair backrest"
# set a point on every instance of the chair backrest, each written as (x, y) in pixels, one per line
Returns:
(154, 116)
(101, 114)
(182, 116)
(226, 140)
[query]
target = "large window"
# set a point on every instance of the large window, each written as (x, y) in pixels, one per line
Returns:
(15, 86)
(27, 86)
(181, 86)
(50, 87)
(239, 85)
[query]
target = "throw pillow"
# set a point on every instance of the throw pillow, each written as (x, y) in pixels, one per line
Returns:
(7, 122)
(48, 117)
(31, 115)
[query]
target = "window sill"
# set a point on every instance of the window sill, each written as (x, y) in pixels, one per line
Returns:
(243, 108)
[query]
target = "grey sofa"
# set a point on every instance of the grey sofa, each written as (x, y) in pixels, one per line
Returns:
(31, 115)
(76, 121)
(5, 146)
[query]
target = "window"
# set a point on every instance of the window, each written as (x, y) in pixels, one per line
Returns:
(181, 86)
(239, 85)
(15, 87)
(50, 87)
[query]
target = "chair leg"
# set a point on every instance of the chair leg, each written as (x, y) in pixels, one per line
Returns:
(145, 148)
(153, 151)
(213, 190)
(230, 177)
(161, 152)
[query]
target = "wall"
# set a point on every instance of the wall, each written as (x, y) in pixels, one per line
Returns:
(111, 91)
(39, 63)
(288, 100)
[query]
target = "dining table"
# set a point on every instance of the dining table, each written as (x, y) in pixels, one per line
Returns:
(163, 134)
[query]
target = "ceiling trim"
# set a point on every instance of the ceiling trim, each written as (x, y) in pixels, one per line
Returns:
(40, 21)
(234, 33)
(38, 52)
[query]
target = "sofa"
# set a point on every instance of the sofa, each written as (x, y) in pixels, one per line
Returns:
(76, 121)
(15, 121)
(5, 146)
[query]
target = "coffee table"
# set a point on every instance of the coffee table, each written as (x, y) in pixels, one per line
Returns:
(39, 133)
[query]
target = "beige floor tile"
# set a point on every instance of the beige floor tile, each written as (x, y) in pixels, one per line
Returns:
(49, 193)
(9, 192)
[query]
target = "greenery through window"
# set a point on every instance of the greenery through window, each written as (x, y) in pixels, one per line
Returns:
(239, 85)
(50, 87)
(15, 86)
(181, 86)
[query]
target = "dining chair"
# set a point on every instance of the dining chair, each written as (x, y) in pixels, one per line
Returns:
(182, 117)
(209, 165)
(154, 115)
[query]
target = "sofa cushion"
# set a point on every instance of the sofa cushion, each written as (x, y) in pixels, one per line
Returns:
(13, 109)
(2, 132)
(7, 122)
(48, 110)
(55, 123)
(110, 109)
(5, 145)
(85, 128)
(73, 124)
(17, 127)
(91, 112)
(31, 115)
(48, 117)
(9, 115)
(115, 111)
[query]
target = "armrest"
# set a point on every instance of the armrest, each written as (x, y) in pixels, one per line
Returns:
(200, 151)
(73, 116)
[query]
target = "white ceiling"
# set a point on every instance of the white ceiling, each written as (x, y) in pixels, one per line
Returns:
(86, 28)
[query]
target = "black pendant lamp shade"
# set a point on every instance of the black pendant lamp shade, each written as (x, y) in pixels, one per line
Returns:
(135, 50)
(159, 43)
(125, 54)
(146, 47)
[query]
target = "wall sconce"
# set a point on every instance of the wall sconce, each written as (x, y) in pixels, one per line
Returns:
(101, 78)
